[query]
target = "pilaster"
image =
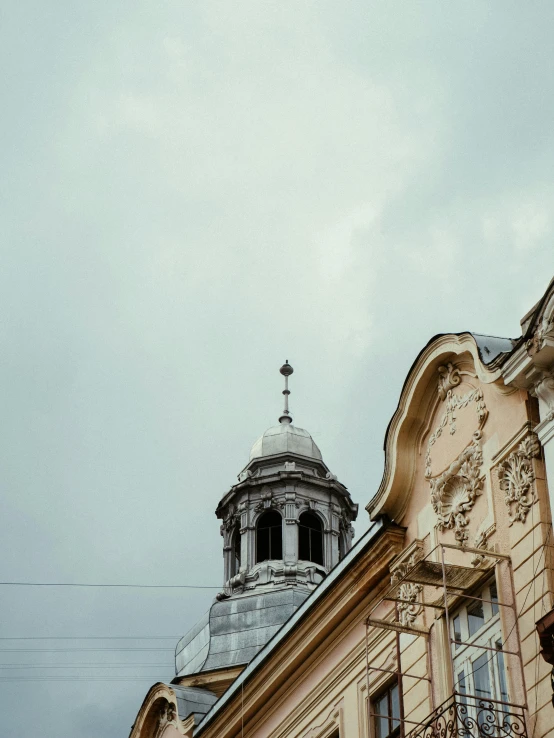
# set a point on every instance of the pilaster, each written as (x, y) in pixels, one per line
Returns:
(532, 367)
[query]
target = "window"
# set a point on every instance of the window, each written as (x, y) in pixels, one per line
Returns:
(501, 671)
(386, 713)
(457, 635)
(475, 618)
(269, 536)
(310, 538)
(462, 687)
(494, 597)
(235, 566)
(481, 676)
(480, 673)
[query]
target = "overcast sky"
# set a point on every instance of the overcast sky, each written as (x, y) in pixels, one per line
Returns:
(191, 193)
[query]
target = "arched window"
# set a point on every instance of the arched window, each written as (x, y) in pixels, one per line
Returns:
(269, 536)
(310, 538)
(235, 561)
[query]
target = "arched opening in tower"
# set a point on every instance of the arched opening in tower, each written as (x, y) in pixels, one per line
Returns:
(310, 538)
(269, 536)
(236, 551)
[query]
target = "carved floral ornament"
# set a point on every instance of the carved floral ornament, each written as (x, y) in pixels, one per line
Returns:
(481, 541)
(408, 609)
(517, 479)
(449, 377)
(167, 716)
(454, 491)
(408, 592)
(545, 330)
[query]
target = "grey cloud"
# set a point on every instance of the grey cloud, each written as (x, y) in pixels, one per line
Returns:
(191, 195)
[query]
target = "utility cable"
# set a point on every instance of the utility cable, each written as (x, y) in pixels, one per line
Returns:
(86, 584)
(65, 650)
(87, 638)
(122, 665)
(51, 679)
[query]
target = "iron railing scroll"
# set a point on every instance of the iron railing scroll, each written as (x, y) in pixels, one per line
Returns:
(464, 716)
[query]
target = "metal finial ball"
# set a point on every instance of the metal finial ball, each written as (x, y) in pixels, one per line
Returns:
(286, 370)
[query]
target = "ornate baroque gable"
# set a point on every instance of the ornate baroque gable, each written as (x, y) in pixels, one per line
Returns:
(438, 426)
(455, 488)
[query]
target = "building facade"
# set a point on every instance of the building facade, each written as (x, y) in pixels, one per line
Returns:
(427, 625)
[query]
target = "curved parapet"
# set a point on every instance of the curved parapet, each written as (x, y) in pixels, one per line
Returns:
(445, 362)
(171, 710)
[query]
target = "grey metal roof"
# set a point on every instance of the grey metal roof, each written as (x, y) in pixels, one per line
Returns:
(193, 700)
(285, 438)
(373, 531)
(234, 630)
(492, 346)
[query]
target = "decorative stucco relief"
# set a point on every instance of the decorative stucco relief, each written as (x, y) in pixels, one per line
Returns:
(481, 542)
(453, 403)
(544, 330)
(266, 500)
(406, 561)
(167, 716)
(449, 377)
(408, 609)
(453, 492)
(517, 479)
(408, 592)
(230, 522)
(544, 390)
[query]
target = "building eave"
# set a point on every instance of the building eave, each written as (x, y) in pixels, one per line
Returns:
(340, 572)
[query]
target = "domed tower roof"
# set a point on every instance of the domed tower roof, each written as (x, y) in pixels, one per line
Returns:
(285, 438)
(285, 524)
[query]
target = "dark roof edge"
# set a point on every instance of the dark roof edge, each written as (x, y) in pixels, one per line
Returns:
(375, 528)
(528, 322)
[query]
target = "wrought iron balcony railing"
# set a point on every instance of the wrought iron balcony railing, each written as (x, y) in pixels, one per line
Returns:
(466, 716)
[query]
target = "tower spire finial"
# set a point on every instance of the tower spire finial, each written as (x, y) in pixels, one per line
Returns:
(286, 370)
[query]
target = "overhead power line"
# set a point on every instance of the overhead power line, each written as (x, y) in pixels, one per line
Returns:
(86, 584)
(58, 650)
(51, 679)
(87, 638)
(86, 666)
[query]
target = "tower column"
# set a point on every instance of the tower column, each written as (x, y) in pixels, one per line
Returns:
(290, 541)
(290, 526)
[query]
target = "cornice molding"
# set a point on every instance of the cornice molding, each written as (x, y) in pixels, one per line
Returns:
(216, 680)
(282, 477)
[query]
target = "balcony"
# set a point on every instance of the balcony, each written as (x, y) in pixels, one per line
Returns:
(465, 716)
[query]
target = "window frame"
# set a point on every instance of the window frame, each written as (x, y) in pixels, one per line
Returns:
(308, 532)
(236, 552)
(269, 528)
(375, 716)
(468, 649)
